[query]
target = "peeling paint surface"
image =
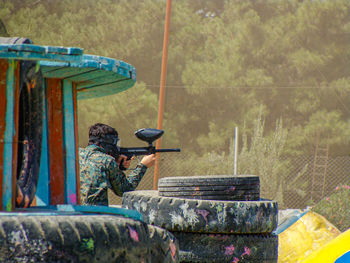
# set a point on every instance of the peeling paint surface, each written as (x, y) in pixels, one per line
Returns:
(133, 234)
(190, 215)
(88, 244)
(197, 247)
(152, 215)
(204, 216)
(23, 249)
(143, 206)
(203, 213)
(229, 250)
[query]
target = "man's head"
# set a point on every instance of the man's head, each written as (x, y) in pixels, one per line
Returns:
(106, 137)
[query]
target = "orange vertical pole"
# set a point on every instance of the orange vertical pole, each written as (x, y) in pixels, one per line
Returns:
(162, 90)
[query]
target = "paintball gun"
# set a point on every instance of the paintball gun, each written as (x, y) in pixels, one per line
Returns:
(147, 135)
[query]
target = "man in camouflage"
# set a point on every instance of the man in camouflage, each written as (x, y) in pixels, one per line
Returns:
(99, 167)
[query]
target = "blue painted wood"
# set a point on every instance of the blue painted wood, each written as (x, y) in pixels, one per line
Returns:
(70, 63)
(102, 210)
(44, 70)
(64, 50)
(98, 210)
(35, 52)
(19, 47)
(95, 76)
(75, 210)
(43, 187)
(90, 63)
(102, 79)
(8, 136)
(65, 72)
(69, 143)
(41, 49)
(105, 90)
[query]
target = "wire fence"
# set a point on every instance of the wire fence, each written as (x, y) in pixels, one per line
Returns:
(298, 191)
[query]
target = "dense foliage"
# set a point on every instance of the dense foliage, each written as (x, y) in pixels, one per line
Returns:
(233, 63)
(336, 207)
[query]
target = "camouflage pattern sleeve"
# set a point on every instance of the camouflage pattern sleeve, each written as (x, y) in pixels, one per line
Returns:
(121, 182)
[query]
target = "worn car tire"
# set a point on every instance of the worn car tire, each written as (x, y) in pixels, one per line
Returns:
(217, 187)
(83, 238)
(236, 195)
(30, 126)
(30, 133)
(203, 216)
(195, 247)
(208, 180)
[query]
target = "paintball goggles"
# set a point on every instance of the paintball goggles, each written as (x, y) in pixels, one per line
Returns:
(147, 135)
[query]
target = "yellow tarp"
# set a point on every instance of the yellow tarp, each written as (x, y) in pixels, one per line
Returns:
(306, 235)
(330, 252)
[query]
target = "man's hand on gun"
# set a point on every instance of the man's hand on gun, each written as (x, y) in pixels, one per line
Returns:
(147, 160)
(124, 160)
(149, 136)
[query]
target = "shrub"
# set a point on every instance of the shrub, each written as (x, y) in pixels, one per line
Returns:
(336, 207)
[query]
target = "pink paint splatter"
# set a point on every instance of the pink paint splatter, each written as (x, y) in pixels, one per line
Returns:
(133, 234)
(232, 188)
(229, 250)
(196, 191)
(246, 252)
(203, 213)
(73, 199)
(235, 260)
(173, 250)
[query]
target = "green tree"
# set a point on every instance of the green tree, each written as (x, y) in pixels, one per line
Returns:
(262, 155)
(226, 58)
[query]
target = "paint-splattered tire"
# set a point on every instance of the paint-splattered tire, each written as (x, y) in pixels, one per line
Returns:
(217, 187)
(30, 133)
(203, 216)
(235, 193)
(83, 238)
(195, 247)
(29, 126)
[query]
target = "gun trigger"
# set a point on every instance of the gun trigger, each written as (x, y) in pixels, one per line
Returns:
(121, 166)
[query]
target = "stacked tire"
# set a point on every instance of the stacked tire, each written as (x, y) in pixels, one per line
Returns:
(214, 218)
(38, 237)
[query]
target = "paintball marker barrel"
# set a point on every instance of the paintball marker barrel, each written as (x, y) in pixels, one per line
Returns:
(147, 135)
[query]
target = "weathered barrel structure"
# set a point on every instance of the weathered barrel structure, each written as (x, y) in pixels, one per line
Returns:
(39, 88)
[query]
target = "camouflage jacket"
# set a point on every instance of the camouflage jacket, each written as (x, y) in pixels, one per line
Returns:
(99, 171)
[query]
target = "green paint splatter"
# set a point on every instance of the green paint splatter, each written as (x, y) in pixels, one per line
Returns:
(219, 208)
(9, 206)
(88, 244)
(37, 67)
